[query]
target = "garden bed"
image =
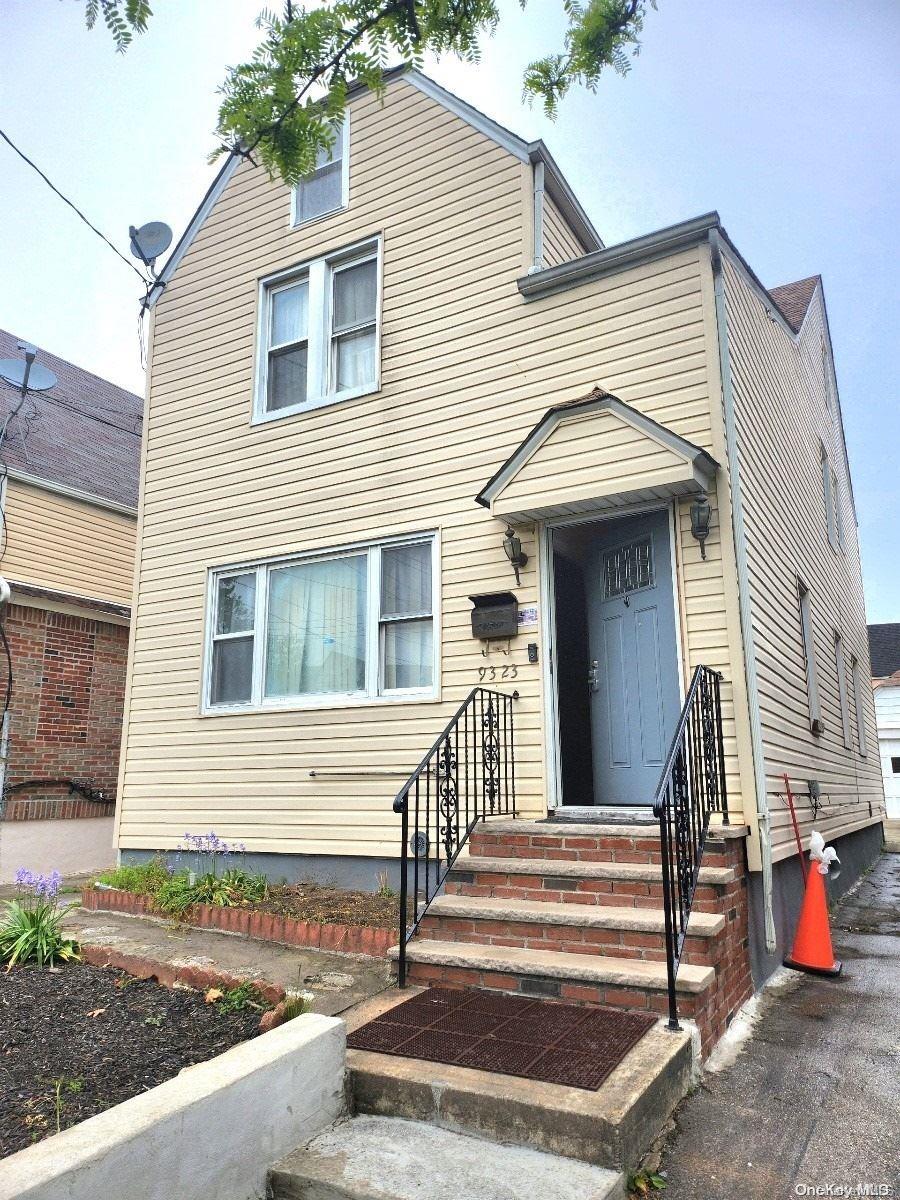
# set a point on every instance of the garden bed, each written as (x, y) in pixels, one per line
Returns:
(299, 915)
(76, 1041)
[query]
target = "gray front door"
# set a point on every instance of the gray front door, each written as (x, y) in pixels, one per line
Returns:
(633, 659)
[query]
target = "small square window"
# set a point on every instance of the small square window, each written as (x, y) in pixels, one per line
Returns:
(895, 766)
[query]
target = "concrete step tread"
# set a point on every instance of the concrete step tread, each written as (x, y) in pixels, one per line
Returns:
(584, 916)
(388, 1158)
(553, 964)
(637, 872)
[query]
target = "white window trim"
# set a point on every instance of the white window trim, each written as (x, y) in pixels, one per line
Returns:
(841, 665)
(344, 136)
(862, 733)
(374, 695)
(319, 367)
(807, 635)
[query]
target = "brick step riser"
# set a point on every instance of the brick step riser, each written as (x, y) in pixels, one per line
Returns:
(549, 889)
(607, 849)
(566, 939)
(543, 988)
(566, 849)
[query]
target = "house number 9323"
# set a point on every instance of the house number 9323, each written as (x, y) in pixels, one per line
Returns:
(508, 671)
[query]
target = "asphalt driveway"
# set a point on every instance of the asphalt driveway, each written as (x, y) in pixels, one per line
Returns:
(813, 1101)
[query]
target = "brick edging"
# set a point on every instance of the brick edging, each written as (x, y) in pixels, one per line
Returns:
(343, 939)
(197, 978)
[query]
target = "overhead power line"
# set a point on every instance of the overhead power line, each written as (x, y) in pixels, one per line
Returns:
(74, 207)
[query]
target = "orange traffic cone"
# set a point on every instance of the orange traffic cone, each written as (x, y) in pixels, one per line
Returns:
(812, 950)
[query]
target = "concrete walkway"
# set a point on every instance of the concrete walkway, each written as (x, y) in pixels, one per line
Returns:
(337, 981)
(814, 1098)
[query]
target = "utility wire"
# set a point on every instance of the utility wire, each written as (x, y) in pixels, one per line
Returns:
(87, 415)
(74, 207)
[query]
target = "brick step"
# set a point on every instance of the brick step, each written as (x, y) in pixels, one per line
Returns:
(589, 842)
(578, 978)
(622, 932)
(637, 884)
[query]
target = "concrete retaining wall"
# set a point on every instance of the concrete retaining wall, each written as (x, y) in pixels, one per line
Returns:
(209, 1134)
(68, 846)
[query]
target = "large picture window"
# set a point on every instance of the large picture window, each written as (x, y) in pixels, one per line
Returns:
(318, 339)
(357, 624)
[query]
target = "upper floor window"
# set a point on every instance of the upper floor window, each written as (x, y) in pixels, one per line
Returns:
(859, 704)
(828, 494)
(326, 189)
(318, 339)
(355, 625)
(809, 654)
(842, 687)
(826, 379)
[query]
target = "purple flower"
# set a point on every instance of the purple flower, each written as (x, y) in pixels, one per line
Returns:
(45, 887)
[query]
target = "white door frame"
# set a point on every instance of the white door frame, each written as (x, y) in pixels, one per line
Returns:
(544, 530)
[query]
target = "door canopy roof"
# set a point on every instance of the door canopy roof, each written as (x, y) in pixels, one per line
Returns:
(595, 453)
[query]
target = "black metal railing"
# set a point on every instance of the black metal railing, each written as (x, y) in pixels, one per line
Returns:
(691, 788)
(467, 775)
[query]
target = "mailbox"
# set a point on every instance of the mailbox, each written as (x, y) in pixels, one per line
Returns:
(495, 615)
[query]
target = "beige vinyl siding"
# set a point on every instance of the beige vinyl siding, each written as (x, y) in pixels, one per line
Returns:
(560, 243)
(590, 457)
(782, 416)
(467, 368)
(67, 545)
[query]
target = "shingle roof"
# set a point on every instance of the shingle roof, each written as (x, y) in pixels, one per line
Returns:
(85, 433)
(884, 648)
(793, 299)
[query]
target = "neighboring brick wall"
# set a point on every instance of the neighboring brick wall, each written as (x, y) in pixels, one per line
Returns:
(66, 717)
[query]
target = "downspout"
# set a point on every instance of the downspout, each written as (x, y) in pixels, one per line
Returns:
(537, 200)
(740, 546)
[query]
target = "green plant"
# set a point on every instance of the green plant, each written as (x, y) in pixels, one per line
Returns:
(70, 1085)
(240, 998)
(144, 879)
(642, 1183)
(31, 928)
(384, 886)
(235, 888)
(296, 1004)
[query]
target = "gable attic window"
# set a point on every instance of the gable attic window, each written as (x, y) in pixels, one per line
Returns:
(319, 333)
(829, 482)
(326, 190)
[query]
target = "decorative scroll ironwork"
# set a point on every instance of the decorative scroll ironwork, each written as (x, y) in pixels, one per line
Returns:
(468, 775)
(691, 789)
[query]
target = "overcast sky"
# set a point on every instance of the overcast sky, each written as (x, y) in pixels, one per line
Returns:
(781, 115)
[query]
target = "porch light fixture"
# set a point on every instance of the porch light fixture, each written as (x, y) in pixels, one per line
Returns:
(512, 546)
(700, 515)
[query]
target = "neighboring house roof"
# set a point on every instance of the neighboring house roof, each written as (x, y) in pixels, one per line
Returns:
(555, 183)
(884, 649)
(83, 435)
(793, 299)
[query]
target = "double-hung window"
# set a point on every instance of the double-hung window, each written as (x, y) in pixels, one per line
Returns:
(828, 495)
(842, 688)
(319, 331)
(809, 655)
(324, 190)
(859, 704)
(354, 625)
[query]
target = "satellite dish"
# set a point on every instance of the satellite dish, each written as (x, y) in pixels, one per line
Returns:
(32, 376)
(151, 240)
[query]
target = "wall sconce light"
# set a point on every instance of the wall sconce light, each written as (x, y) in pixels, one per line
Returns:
(512, 547)
(700, 515)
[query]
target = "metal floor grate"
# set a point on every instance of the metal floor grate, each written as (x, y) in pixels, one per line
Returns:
(535, 1039)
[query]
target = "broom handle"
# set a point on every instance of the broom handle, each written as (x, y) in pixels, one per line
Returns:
(790, 800)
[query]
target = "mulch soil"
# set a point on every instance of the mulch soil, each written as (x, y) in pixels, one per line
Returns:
(317, 902)
(106, 1036)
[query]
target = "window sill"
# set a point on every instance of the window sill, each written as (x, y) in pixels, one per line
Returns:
(278, 414)
(325, 216)
(321, 703)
